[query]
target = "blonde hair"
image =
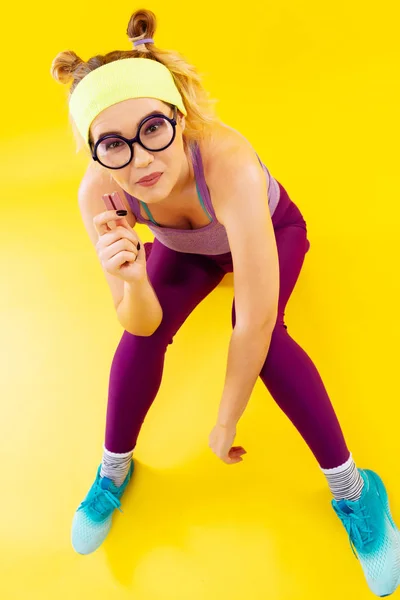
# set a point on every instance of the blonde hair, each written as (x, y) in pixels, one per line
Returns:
(67, 67)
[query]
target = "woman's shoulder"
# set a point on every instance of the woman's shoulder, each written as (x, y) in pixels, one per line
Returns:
(222, 149)
(220, 144)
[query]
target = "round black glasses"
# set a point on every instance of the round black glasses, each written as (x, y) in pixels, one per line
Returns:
(155, 133)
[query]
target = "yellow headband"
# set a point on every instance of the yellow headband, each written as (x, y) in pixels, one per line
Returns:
(117, 81)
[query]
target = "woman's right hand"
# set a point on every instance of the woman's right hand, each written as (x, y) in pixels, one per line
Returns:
(117, 247)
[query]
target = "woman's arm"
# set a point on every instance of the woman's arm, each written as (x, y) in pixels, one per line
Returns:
(238, 187)
(136, 303)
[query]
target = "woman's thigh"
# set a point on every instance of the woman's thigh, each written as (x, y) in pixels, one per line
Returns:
(292, 245)
(181, 281)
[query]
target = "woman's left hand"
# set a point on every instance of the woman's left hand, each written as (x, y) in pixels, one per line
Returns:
(221, 440)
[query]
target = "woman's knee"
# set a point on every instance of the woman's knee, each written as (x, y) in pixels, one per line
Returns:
(140, 344)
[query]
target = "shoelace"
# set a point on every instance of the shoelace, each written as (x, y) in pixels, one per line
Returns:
(357, 526)
(98, 497)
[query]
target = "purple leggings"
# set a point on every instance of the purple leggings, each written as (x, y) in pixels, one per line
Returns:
(181, 281)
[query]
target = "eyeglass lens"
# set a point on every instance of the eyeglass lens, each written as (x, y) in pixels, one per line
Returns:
(155, 134)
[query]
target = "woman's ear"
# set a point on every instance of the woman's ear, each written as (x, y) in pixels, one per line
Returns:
(182, 122)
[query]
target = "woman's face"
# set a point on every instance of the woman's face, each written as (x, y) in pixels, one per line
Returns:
(124, 118)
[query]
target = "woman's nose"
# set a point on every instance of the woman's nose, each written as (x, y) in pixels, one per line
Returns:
(141, 157)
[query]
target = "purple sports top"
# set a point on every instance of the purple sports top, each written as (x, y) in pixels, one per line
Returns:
(211, 239)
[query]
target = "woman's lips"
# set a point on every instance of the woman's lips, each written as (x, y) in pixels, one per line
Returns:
(150, 180)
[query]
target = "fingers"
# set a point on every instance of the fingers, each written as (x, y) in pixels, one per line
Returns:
(102, 220)
(121, 258)
(119, 233)
(231, 461)
(238, 449)
(234, 455)
(127, 247)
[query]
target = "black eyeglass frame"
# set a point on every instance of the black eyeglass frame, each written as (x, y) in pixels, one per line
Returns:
(131, 141)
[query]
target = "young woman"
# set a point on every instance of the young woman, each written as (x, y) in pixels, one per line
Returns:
(214, 208)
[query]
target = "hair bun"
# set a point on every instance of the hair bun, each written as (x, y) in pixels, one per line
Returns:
(142, 24)
(64, 66)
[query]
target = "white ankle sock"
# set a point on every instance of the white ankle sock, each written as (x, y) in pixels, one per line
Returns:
(345, 481)
(115, 466)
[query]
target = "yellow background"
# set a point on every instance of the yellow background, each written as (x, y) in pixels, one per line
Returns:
(315, 88)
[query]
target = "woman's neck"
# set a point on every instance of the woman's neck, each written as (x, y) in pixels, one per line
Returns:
(185, 180)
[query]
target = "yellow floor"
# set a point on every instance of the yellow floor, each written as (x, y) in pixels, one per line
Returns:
(194, 528)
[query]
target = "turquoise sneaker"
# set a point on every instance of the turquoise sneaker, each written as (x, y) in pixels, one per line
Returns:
(374, 537)
(92, 520)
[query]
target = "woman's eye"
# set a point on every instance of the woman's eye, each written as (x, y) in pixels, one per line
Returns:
(154, 125)
(112, 145)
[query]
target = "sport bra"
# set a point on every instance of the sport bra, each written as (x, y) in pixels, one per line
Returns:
(210, 239)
